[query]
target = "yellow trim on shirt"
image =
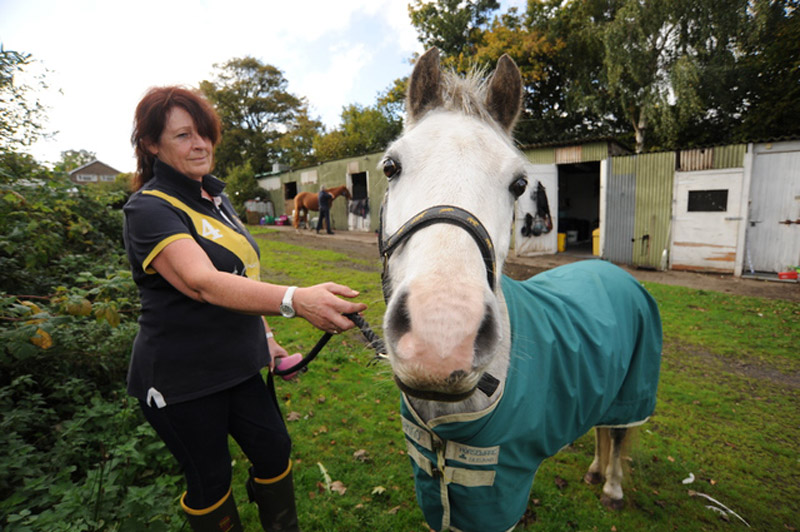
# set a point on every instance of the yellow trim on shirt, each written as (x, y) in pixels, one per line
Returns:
(214, 230)
(159, 247)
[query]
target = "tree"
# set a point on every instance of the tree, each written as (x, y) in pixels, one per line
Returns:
(256, 111)
(535, 54)
(392, 100)
(296, 146)
(242, 186)
(16, 166)
(659, 74)
(72, 159)
(21, 117)
(363, 130)
(642, 57)
(771, 65)
(452, 26)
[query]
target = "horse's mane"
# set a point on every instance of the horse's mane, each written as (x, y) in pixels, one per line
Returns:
(465, 93)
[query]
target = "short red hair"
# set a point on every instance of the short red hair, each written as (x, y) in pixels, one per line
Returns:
(151, 119)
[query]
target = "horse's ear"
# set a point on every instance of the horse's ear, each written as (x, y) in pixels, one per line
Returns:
(504, 97)
(424, 91)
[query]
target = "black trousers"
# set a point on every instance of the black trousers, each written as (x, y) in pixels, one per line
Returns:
(196, 433)
(326, 215)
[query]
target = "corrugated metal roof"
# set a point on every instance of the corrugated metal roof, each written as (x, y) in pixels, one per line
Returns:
(577, 141)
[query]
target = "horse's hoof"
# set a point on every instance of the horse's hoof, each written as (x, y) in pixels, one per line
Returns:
(593, 478)
(612, 504)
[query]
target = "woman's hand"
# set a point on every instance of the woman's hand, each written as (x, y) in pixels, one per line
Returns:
(276, 351)
(321, 306)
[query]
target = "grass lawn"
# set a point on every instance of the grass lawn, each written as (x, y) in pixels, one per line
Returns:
(727, 414)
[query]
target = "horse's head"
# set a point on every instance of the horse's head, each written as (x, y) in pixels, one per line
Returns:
(443, 318)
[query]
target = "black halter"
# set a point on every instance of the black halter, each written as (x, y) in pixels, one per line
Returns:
(438, 214)
(453, 215)
(448, 214)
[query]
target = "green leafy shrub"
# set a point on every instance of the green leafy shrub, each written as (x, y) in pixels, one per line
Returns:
(78, 454)
(50, 229)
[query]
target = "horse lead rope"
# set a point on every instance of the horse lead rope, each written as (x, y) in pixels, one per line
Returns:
(373, 339)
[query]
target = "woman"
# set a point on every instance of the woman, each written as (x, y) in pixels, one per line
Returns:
(196, 361)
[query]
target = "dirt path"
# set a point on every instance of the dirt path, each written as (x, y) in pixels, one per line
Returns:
(364, 246)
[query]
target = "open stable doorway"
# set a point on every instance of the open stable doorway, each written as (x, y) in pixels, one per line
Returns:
(358, 214)
(289, 192)
(579, 204)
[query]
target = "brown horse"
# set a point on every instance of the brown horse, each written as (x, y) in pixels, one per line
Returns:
(309, 201)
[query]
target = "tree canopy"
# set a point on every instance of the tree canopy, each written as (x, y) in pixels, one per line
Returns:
(363, 130)
(22, 116)
(656, 73)
(72, 159)
(256, 110)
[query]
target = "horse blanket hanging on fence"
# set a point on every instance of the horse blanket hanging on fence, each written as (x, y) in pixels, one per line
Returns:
(585, 352)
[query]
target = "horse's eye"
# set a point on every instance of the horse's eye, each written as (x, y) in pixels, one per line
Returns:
(390, 167)
(518, 186)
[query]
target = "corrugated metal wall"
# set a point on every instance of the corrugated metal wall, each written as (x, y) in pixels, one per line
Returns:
(696, 159)
(655, 176)
(541, 155)
(639, 208)
(596, 151)
(569, 154)
(729, 156)
(714, 158)
(620, 210)
(579, 153)
(773, 234)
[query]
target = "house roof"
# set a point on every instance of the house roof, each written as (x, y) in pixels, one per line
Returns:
(108, 169)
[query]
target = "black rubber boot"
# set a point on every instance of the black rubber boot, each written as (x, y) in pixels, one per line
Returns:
(275, 500)
(221, 517)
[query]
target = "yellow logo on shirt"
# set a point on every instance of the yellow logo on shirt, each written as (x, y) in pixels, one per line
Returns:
(209, 231)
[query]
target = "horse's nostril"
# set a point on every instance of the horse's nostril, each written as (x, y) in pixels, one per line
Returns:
(487, 333)
(398, 321)
(456, 376)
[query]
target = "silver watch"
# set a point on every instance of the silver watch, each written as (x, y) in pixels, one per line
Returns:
(287, 310)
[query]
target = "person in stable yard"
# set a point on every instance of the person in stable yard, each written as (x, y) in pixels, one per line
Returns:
(202, 342)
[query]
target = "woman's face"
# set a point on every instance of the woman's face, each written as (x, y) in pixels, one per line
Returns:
(182, 147)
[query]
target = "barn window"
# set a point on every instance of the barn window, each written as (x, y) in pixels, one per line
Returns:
(708, 200)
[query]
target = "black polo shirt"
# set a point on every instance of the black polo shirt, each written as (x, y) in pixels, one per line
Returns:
(186, 349)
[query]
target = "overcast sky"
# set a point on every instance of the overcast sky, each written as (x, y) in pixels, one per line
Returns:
(102, 55)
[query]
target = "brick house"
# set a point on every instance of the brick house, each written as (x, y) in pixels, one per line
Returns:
(93, 172)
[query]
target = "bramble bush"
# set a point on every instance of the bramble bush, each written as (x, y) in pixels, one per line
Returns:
(78, 455)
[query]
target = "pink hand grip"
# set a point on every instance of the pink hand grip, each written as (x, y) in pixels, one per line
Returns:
(286, 363)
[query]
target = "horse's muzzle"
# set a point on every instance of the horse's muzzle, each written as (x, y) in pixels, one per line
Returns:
(433, 395)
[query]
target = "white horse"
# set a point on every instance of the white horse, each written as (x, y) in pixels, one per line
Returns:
(496, 374)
